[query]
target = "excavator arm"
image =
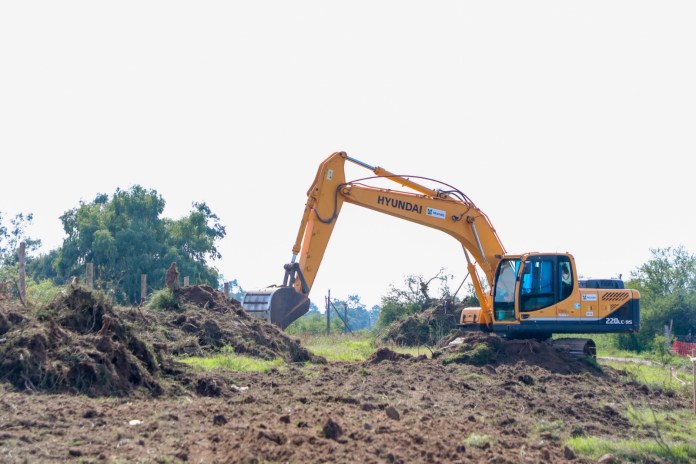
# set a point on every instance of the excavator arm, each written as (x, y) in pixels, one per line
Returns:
(449, 211)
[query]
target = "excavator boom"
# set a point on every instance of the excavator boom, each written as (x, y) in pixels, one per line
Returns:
(450, 211)
(526, 295)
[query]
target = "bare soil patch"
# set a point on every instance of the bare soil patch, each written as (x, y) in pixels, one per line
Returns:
(483, 400)
(401, 409)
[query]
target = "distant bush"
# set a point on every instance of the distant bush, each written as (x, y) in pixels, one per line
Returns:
(42, 293)
(163, 299)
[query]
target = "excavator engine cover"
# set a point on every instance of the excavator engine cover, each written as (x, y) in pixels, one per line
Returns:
(279, 305)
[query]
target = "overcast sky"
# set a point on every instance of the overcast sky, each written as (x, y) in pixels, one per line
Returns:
(571, 124)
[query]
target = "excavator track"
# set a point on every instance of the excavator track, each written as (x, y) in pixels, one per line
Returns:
(579, 347)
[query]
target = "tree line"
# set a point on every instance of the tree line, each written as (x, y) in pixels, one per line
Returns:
(124, 235)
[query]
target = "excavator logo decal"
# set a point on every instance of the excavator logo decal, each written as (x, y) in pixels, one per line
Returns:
(438, 213)
(399, 204)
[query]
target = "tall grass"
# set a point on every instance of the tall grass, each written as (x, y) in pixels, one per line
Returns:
(233, 362)
(351, 347)
(655, 376)
(673, 441)
(634, 450)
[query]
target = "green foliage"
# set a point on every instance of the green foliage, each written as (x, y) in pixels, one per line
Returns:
(675, 425)
(12, 234)
(479, 355)
(672, 441)
(654, 376)
(392, 311)
(670, 270)
(667, 285)
(633, 450)
(42, 293)
(124, 237)
(162, 299)
(314, 322)
(412, 298)
(350, 347)
(230, 361)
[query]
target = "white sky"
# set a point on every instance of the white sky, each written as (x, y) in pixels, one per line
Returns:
(585, 112)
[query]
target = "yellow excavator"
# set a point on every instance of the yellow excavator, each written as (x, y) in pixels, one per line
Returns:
(527, 295)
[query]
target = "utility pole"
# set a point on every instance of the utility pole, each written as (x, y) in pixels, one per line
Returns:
(328, 314)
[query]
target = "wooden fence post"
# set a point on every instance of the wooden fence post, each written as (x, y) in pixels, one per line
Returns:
(226, 287)
(22, 273)
(143, 288)
(186, 281)
(90, 275)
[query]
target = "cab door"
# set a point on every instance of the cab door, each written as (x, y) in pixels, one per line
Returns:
(504, 292)
(539, 291)
(567, 308)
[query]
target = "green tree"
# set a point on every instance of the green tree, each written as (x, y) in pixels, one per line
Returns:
(125, 236)
(667, 285)
(414, 297)
(12, 234)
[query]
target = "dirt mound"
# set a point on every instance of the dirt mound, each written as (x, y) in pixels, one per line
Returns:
(81, 343)
(425, 328)
(204, 321)
(385, 354)
(77, 344)
(206, 297)
(480, 349)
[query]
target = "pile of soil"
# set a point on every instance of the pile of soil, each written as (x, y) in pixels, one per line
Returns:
(77, 344)
(385, 354)
(204, 320)
(424, 328)
(479, 349)
(81, 343)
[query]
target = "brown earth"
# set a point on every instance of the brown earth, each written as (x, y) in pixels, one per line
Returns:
(485, 400)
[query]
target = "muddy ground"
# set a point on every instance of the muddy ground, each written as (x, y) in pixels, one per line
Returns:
(485, 401)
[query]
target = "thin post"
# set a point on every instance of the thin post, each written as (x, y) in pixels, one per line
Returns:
(143, 288)
(22, 272)
(328, 314)
(90, 275)
(226, 286)
(345, 318)
(693, 363)
(186, 281)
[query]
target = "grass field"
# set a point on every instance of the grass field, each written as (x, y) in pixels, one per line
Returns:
(673, 439)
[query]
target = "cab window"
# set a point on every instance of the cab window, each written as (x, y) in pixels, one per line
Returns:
(537, 285)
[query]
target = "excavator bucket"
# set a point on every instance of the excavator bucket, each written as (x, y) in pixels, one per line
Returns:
(279, 305)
